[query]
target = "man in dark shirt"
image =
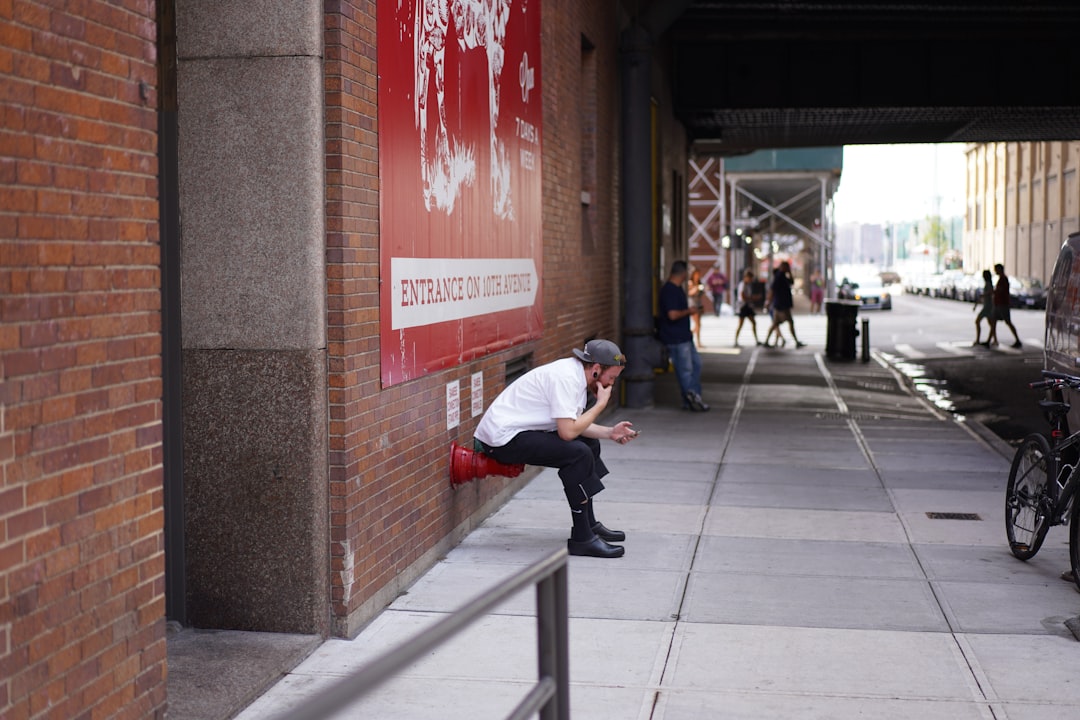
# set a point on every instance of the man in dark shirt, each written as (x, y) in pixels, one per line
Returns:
(1001, 308)
(781, 300)
(674, 331)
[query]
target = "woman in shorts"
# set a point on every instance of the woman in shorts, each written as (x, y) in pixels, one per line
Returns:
(743, 294)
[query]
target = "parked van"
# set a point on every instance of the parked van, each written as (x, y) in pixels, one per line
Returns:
(1061, 344)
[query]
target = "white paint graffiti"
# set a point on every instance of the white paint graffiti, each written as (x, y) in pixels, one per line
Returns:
(451, 164)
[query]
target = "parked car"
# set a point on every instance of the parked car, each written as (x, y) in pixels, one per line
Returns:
(922, 284)
(1061, 344)
(969, 288)
(889, 277)
(948, 284)
(1026, 292)
(930, 285)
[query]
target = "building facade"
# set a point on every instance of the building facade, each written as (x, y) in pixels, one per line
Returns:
(197, 420)
(1023, 200)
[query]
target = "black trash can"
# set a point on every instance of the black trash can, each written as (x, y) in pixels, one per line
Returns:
(840, 331)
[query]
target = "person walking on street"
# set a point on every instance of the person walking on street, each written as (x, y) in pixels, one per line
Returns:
(744, 293)
(817, 291)
(542, 419)
(782, 301)
(1001, 308)
(717, 282)
(695, 293)
(674, 332)
(987, 310)
(780, 340)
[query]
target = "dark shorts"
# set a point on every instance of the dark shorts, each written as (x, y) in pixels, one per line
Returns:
(1001, 312)
(780, 316)
(746, 311)
(578, 461)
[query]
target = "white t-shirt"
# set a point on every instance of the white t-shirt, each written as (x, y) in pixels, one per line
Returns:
(739, 292)
(534, 401)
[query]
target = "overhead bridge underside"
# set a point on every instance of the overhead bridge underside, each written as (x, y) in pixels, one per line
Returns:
(789, 74)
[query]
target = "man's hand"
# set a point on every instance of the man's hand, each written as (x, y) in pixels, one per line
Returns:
(603, 394)
(623, 433)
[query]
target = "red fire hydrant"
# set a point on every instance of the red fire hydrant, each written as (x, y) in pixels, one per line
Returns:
(466, 465)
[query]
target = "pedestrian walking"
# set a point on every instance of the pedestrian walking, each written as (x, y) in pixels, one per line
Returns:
(695, 294)
(782, 302)
(986, 300)
(543, 418)
(717, 283)
(744, 293)
(674, 332)
(817, 291)
(1001, 308)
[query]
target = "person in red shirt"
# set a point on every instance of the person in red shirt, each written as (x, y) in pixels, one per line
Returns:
(717, 282)
(1001, 308)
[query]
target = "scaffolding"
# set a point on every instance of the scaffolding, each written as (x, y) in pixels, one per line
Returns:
(745, 210)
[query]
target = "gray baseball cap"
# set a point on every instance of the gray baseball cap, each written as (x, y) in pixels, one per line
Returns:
(601, 351)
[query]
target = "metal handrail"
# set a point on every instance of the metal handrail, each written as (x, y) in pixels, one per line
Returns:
(551, 694)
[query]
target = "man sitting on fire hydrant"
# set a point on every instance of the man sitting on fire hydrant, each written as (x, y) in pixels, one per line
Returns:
(542, 419)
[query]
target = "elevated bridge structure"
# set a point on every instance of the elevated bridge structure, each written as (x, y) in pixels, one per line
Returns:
(756, 74)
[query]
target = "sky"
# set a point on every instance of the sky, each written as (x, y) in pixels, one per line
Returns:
(883, 183)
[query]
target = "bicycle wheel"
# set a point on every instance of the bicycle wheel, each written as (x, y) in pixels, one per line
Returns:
(1074, 540)
(1028, 504)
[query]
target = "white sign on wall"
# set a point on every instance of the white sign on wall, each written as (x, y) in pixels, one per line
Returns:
(425, 291)
(453, 405)
(477, 393)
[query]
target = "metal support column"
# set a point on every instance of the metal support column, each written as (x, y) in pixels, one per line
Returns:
(636, 60)
(828, 271)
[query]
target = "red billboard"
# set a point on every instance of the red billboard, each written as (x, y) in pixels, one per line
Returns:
(459, 168)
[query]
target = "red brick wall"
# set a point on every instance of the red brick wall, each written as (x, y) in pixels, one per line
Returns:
(81, 564)
(391, 500)
(582, 291)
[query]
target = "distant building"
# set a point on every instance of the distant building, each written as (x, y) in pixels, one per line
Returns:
(899, 242)
(859, 244)
(1023, 201)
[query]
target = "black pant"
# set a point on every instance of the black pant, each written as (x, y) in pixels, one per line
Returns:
(578, 460)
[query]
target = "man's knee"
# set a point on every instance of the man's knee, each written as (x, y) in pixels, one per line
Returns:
(582, 450)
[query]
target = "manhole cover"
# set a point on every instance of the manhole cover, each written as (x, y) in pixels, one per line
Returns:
(952, 516)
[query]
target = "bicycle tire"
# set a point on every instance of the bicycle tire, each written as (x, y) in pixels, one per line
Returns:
(1028, 507)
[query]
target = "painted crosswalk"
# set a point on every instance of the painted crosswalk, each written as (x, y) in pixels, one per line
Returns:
(958, 348)
(718, 336)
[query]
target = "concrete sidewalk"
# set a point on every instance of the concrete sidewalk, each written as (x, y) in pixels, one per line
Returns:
(780, 563)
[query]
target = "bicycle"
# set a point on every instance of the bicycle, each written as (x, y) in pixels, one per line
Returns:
(1033, 504)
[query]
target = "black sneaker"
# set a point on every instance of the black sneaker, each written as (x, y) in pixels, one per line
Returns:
(1018, 344)
(695, 402)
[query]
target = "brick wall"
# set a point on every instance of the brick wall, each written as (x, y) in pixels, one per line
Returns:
(392, 507)
(81, 563)
(581, 291)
